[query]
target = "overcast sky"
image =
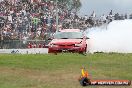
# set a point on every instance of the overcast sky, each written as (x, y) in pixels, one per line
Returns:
(104, 6)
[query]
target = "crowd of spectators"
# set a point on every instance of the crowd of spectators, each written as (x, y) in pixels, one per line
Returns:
(87, 21)
(36, 19)
(31, 19)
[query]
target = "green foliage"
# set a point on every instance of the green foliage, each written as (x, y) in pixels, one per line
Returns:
(71, 4)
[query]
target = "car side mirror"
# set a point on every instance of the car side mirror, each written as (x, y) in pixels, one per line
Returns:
(50, 38)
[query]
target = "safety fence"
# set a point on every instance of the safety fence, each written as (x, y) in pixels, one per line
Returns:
(23, 44)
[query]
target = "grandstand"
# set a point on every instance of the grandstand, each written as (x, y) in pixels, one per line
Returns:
(33, 21)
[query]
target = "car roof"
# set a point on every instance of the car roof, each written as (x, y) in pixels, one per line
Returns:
(70, 30)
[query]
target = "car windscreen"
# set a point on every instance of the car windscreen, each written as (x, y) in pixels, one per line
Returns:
(68, 35)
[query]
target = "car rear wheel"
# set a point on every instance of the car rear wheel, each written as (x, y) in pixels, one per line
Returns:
(85, 51)
(86, 48)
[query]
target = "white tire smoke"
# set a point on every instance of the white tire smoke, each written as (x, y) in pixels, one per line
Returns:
(115, 37)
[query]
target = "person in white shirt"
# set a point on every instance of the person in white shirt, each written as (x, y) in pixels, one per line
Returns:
(103, 18)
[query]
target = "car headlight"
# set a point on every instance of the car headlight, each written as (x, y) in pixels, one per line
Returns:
(78, 45)
(53, 45)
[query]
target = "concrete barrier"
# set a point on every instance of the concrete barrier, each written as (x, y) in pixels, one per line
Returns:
(25, 51)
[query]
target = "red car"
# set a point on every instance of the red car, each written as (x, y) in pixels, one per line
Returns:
(68, 40)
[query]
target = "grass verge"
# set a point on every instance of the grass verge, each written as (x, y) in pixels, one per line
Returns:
(62, 70)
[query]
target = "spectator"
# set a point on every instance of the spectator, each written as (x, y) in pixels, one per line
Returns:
(103, 18)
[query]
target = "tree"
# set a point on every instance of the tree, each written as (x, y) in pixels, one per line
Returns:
(76, 4)
(72, 4)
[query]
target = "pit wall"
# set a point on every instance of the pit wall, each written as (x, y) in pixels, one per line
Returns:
(24, 51)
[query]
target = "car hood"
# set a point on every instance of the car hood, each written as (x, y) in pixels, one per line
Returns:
(65, 41)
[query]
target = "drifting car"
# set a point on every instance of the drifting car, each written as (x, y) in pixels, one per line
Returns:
(68, 40)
